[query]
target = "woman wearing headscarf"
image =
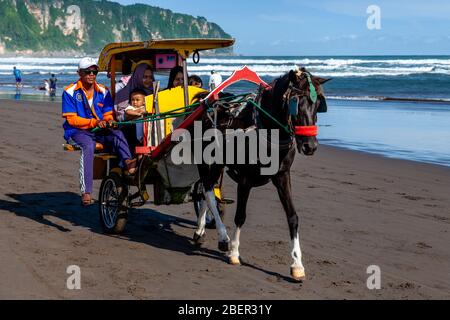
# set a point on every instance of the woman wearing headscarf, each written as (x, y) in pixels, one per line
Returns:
(142, 78)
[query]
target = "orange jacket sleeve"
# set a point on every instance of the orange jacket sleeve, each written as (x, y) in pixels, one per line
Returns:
(108, 116)
(80, 123)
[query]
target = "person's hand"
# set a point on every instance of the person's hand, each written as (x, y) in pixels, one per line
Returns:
(102, 124)
(111, 124)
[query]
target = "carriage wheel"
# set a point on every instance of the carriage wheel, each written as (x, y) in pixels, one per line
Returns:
(113, 205)
(198, 198)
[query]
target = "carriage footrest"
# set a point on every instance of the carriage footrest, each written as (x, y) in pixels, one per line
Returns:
(143, 195)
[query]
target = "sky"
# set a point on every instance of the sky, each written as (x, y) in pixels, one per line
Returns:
(328, 27)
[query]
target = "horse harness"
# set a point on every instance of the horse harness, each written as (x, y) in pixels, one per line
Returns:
(291, 98)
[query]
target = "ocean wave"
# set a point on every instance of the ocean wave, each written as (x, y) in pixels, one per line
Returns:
(356, 98)
(375, 98)
(324, 71)
(43, 68)
(329, 61)
(271, 66)
(30, 60)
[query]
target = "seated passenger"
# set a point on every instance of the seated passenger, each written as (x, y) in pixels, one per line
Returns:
(195, 81)
(176, 77)
(86, 105)
(142, 78)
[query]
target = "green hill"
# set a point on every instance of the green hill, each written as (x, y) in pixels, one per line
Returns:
(86, 26)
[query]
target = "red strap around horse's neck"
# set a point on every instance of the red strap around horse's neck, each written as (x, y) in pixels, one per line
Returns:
(306, 131)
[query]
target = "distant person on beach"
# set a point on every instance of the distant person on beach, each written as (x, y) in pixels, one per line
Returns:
(214, 80)
(53, 81)
(18, 75)
(176, 77)
(195, 81)
(45, 87)
(87, 105)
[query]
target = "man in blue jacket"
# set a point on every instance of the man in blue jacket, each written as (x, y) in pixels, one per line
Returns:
(86, 105)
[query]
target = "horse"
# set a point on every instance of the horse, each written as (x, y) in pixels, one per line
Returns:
(290, 103)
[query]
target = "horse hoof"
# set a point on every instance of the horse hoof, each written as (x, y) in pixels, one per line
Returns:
(298, 274)
(233, 260)
(198, 240)
(224, 246)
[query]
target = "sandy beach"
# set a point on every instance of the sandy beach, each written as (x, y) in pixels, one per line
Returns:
(355, 210)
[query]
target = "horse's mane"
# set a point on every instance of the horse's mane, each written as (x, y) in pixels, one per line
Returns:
(279, 83)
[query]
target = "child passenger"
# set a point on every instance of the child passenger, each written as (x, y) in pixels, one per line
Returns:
(135, 110)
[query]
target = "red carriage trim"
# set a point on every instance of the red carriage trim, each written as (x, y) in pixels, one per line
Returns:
(242, 74)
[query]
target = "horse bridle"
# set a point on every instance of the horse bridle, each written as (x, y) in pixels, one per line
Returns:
(291, 98)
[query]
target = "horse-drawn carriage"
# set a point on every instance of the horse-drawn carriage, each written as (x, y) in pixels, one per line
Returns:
(289, 103)
(172, 184)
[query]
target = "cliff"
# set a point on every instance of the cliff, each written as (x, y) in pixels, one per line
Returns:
(86, 26)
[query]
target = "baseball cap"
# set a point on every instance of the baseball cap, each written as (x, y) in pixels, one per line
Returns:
(87, 62)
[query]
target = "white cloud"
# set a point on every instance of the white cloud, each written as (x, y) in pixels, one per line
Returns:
(340, 37)
(275, 43)
(284, 18)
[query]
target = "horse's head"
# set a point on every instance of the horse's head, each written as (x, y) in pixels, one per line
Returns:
(303, 98)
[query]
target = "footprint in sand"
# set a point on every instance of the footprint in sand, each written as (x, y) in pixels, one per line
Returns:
(423, 245)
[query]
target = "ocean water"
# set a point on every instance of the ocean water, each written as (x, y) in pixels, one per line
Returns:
(362, 114)
(402, 130)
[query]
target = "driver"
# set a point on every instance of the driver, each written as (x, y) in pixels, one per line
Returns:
(86, 105)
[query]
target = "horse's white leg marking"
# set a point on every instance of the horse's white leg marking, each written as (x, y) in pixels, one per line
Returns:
(201, 220)
(234, 253)
(212, 204)
(297, 269)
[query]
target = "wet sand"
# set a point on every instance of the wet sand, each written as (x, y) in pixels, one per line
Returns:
(355, 210)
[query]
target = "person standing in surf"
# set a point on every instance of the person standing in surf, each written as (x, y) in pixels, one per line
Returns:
(53, 81)
(18, 75)
(214, 80)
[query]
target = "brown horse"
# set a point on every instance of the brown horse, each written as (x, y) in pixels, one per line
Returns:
(289, 105)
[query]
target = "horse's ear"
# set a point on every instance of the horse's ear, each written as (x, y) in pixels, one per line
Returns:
(321, 80)
(322, 105)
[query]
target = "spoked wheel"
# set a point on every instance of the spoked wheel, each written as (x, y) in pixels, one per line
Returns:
(113, 204)
(198, 198)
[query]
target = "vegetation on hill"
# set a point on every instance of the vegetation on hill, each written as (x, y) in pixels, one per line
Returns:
(87, 25)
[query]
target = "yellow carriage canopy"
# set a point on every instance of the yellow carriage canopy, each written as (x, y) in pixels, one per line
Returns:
(114, 55)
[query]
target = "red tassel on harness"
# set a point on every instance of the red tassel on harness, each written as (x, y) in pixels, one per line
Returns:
(306, 131)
